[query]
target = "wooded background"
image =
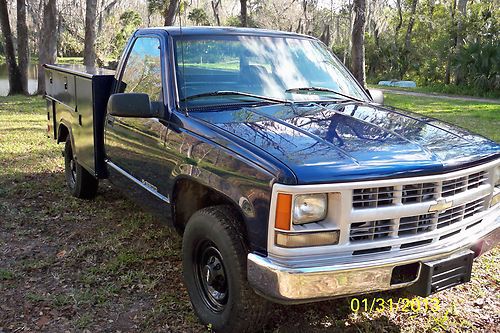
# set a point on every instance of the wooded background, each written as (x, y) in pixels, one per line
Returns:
(441, 43)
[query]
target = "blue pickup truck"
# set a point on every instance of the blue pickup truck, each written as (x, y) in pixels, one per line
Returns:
(288, 181)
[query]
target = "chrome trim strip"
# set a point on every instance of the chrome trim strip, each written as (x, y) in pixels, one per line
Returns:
(138, 182)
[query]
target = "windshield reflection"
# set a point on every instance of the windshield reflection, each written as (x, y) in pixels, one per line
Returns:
(266, 66)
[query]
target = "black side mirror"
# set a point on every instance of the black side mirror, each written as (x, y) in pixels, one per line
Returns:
(132, 105)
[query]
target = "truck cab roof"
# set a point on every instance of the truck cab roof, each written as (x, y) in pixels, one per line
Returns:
(205, 30)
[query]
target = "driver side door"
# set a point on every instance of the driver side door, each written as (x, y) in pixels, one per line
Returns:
(135, 147)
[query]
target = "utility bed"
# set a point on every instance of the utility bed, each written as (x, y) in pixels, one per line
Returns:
(76, 97)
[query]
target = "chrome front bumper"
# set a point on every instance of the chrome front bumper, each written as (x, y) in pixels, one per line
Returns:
(289, 282)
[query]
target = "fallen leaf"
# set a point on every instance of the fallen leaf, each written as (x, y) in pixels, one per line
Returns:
(43, 321)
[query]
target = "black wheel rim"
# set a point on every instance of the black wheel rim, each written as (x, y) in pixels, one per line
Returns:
(211, 278)
(71, 168)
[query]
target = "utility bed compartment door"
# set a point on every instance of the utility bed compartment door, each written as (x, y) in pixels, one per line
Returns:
(77, 98)
(63, 89)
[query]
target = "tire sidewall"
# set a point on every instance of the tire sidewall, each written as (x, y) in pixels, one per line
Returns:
(205, 227)
(84, 185)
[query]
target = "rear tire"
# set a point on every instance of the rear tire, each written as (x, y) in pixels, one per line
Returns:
(80, 182)
(215, 272)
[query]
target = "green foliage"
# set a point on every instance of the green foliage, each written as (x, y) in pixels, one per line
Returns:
(198, 16)
(233, 21)
(156, 6)
(434, 51)
(129, 21)
(70, 45)
(479, 62)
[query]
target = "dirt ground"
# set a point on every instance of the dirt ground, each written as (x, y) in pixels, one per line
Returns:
(69, 265)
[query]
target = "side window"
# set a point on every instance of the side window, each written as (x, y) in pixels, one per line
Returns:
(142, 72)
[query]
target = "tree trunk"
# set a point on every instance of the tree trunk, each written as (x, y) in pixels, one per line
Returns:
(447, 74)
(215, 9)
(461, 7)
(395, 46)
(347, 49)
(243, 13)
(170, 12)
(22, 44)
(337, 29)
(325, 35)
(407, 45)
(48, 42)
(89, 55)
(15, 81)
(358, 42)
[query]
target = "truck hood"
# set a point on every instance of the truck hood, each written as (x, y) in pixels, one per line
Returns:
(353, 141)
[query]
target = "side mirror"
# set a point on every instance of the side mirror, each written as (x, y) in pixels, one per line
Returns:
(132, 105)
(377, 95)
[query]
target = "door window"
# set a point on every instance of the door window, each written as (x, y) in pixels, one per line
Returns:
(142, 72)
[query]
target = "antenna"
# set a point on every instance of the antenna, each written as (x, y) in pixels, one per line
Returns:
(182, 56)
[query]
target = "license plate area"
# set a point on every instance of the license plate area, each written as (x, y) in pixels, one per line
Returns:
(442, 274)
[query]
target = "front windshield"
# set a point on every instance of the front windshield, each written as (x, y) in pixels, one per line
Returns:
(266, 66)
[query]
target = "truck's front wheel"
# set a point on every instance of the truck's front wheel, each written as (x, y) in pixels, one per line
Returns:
(214, 261)
(80, 182)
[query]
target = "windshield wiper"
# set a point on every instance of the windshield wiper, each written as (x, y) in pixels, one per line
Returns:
(321, 89)
(236, 93)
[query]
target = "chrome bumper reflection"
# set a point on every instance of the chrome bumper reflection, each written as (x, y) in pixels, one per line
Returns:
(291, 283)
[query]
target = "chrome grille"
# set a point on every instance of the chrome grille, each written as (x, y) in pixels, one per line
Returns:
(477, 179)
(413, 225)
(370, 230)
(415, 193)
(418, 192)
(461, 184)
(457, 214)
(373, 197)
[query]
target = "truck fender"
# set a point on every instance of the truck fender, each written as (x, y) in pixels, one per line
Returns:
(251, 206)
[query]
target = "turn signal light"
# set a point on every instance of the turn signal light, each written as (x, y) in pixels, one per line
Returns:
(283, 211)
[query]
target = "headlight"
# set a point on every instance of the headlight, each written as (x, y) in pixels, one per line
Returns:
(309, 208)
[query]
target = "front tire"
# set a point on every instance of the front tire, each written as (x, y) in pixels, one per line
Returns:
(80, 182)
(214, 262)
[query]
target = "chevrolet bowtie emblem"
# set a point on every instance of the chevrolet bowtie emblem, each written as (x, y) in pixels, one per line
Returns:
(440, 206)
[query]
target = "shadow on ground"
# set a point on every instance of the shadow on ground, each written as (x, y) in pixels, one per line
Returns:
(104, 265)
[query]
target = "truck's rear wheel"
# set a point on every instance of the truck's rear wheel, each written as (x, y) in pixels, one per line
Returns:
(80, 182)
(214, 261)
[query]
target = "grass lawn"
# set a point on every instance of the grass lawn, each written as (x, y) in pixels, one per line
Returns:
(481, 118)
(105, 265)
(450, 89)
(70, 60)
